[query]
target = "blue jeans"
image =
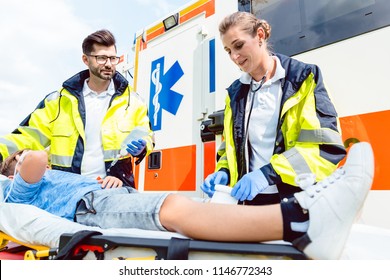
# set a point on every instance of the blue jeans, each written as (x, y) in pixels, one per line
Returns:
(121, 208)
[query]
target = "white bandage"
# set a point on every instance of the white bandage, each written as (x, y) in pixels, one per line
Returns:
(222, 195)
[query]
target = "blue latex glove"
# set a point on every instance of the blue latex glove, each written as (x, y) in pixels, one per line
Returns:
(217, 178)
(136, 147)
(250, 185)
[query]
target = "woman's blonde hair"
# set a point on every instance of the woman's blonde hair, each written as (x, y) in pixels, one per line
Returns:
(248, 23)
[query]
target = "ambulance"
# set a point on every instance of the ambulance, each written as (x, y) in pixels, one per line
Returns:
(181, 70)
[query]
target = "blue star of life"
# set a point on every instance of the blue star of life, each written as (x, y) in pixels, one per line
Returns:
(162, 97)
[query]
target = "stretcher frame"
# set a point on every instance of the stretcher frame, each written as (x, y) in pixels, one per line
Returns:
(183, 248)
(31, 251)
(103, 247)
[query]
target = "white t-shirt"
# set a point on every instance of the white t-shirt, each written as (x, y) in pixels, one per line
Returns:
(263, 119)
(96, 106)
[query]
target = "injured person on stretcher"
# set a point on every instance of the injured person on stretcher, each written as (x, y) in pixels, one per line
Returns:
(316, 220)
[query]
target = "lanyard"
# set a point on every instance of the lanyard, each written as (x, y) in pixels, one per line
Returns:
(252, 101)
(246, 139)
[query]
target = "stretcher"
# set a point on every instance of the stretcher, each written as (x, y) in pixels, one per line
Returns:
(41, 235)
(46, 236)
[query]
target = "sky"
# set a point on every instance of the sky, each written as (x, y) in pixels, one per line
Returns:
(40, 44)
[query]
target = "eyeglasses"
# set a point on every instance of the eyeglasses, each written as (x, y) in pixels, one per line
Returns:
(102, 59)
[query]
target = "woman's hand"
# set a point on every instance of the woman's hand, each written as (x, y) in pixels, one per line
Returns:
(219, 177)
(250, 185)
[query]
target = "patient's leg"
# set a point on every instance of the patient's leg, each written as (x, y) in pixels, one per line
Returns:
(221, 222)
(317, 220)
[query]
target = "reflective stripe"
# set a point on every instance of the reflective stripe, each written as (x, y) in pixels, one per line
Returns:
(322, 136)
(36, 134)
(53, 96)
(222, 147)
(110, 154)
(67, 160)
(297, 161)
(61, 160)
(223, 158)
(10, 145)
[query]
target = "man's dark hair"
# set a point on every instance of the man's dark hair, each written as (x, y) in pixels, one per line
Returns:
(7, 167)
(100, 37)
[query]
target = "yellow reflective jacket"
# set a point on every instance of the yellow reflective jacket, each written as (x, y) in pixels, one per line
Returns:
(58, 122)
(307, 138)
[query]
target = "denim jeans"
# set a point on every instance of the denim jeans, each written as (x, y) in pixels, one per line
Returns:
(121, 208)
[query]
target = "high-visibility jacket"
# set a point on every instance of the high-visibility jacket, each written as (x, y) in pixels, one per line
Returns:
(58, 122)
(308, 138)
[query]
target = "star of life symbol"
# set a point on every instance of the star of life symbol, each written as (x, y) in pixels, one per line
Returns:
(161, 94)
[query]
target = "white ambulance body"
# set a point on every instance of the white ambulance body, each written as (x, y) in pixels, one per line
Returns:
(176, 73)
(182, 71)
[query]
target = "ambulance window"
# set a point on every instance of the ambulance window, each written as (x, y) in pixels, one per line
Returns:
(321, 11)
(302, 25)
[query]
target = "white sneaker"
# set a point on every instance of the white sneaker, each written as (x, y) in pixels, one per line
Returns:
(334, 203)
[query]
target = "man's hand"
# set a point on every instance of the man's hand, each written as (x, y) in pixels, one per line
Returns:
(135, 148)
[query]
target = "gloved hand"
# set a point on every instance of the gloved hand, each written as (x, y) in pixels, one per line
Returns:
(219, 177)
(136, 147)
(250, 185)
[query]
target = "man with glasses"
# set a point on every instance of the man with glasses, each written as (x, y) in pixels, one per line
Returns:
(84, 123)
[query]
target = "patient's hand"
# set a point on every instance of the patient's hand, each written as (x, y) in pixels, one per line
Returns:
(110, 182)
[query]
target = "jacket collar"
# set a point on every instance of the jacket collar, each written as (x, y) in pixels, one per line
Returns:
(75, 84)
(280, 73)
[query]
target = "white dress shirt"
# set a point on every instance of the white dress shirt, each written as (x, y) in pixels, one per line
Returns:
(263, 119)
(96, 106)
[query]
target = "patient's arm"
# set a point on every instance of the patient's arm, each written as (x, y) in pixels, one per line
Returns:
(32, 166)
